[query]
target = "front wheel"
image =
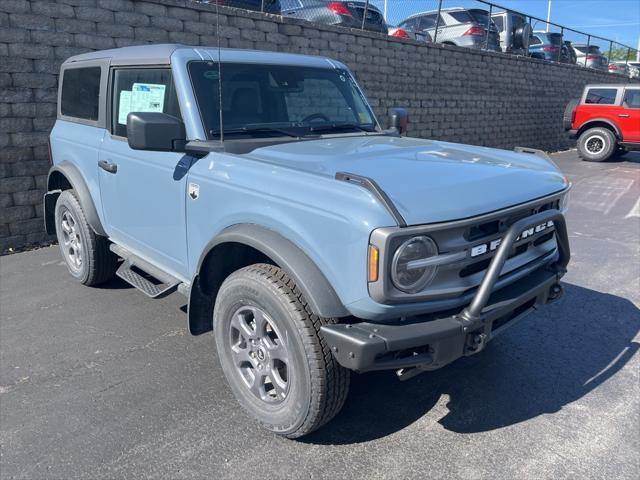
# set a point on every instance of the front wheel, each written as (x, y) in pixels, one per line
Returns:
(597, 144)
(275, 360)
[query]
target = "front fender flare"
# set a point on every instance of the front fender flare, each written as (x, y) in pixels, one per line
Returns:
(79, 185)
(317, 290)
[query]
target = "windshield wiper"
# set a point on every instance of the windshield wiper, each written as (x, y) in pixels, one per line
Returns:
(257, 128)
(339, 126)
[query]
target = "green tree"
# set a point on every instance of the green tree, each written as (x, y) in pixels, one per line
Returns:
(620, 54)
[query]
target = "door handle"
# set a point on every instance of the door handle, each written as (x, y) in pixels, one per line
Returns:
(107, 166)
(623, 115)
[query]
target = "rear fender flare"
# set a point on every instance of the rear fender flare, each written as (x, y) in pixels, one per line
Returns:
(77, 182)
(591, 123)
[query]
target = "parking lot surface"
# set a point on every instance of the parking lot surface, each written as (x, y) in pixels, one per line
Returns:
(106, 383)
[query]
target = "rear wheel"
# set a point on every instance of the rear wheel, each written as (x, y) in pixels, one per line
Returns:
(597, 144)
(275, 360)
(86, 253)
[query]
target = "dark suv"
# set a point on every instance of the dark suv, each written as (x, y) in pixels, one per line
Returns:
(546, 45)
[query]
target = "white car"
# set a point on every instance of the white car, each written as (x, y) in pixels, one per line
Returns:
(634, 69)
(619, 68)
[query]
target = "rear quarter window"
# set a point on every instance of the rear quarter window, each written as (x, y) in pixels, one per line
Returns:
(601, 96)
(80, 96)
(555, 38)
(461, 16)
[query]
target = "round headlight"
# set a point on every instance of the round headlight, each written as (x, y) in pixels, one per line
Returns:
(406, 272)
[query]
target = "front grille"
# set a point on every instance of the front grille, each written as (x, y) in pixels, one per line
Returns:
(496, 228)
(457, 280)
(465, 275)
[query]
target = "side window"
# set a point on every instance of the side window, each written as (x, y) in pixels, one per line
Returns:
(427, 22)
(632, 98)
(408, 24)
(81, 93)
(290, 4)
(499, 23)
(141, 90)
(601, 96)
(534, 40)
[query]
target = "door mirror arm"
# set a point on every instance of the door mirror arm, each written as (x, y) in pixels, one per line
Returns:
(398, 120)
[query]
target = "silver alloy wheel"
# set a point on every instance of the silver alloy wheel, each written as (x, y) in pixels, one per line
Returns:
(72, 248)
(595, 144)
(260, 354)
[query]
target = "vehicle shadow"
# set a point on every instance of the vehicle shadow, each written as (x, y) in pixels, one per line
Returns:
(550, 359)
(631, 157)
(115, 283)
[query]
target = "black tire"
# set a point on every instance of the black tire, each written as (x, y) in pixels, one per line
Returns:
(315, 385)
(91, 262)
(597, 144)
(521, 36)
(568, 113)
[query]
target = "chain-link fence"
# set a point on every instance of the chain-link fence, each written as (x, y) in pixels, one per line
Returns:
(476, 24)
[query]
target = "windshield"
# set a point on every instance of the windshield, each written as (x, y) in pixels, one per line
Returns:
(268, 100)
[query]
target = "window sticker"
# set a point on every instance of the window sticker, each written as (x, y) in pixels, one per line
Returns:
(143, 97)
(124, 106)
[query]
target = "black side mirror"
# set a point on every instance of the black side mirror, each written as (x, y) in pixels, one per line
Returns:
(399, 119)
(155, 131)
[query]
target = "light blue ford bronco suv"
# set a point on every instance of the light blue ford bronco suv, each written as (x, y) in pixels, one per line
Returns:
(309, 239)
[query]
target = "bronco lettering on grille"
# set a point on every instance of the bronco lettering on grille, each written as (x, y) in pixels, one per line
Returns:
(494, 244)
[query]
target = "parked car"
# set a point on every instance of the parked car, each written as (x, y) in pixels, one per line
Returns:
(605, 120)
(308, 239)
(402, 33)
(546, 45)
(634, 69)
(568, 53)
(456, 26)
(619, 68)
(343, 13)
(515, 31)
(589, 56)
(267, 6)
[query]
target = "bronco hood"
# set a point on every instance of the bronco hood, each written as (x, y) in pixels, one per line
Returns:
(428, 181)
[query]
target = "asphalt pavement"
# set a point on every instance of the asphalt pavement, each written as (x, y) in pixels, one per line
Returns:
(106, 383)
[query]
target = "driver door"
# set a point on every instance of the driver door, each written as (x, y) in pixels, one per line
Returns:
(143, 192)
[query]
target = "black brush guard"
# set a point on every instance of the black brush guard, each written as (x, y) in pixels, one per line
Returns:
(433, 343)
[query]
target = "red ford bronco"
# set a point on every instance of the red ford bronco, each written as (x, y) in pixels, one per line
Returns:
(606, 121)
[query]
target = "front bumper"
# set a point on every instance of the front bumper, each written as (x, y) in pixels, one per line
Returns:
(432, 341)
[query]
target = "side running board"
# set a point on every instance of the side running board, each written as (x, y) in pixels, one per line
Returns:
(147, 278)
(375, 189)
